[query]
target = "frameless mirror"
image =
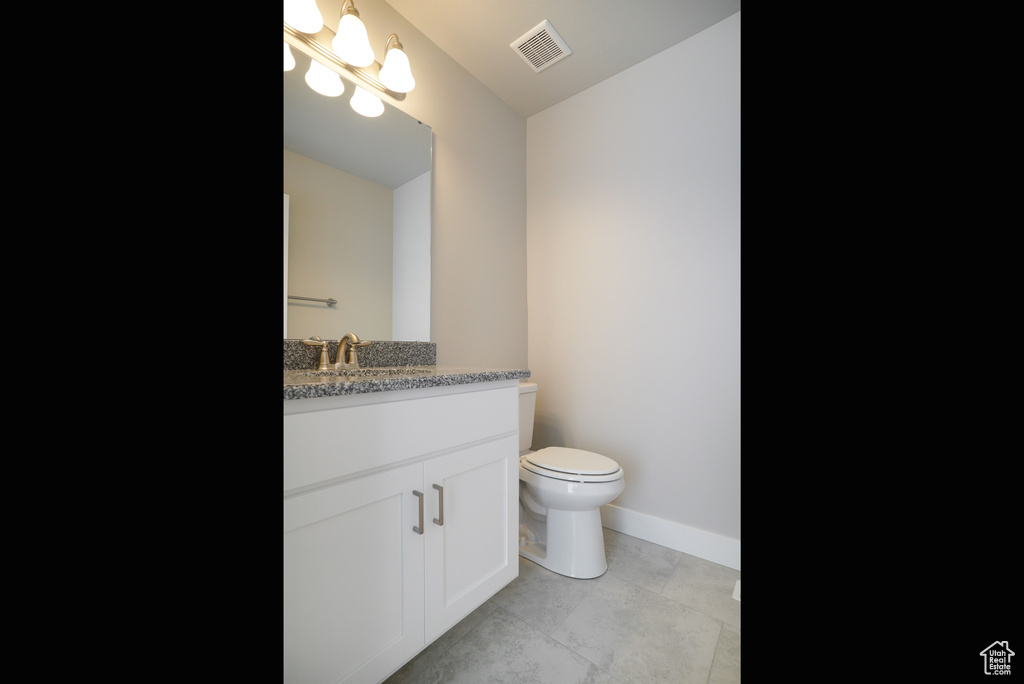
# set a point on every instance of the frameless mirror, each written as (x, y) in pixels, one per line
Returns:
(357, 217)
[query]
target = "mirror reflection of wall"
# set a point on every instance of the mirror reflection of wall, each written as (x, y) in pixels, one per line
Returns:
(358, 220)
(340, 244)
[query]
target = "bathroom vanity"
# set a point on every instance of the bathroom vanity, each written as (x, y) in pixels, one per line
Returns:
(400, 512)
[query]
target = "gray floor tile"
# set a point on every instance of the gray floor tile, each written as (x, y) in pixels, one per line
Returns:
(726, 667)
(657, 615)
(503, 648)
(640, 636)
(540, 597)
(705, 586)
(638, 561)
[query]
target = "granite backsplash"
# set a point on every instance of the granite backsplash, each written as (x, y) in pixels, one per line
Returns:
(298, 356)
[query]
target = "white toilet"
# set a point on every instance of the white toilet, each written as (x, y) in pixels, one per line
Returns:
(560, 492)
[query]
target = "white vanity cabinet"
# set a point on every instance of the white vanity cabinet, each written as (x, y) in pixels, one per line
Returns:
(369, 581)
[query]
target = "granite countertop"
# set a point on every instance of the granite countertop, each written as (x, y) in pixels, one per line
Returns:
(308, 384)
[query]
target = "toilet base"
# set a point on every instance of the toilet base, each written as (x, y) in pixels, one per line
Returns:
(570, 543)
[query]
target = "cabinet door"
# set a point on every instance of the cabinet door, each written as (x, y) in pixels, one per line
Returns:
(353, 587)
(473, 554)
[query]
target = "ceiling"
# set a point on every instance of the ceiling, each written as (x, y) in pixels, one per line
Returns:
(605, 36)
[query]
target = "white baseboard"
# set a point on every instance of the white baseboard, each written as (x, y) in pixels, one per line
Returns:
(707, 545)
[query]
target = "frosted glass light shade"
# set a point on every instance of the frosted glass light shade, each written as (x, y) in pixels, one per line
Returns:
(395, 74)
(289, 59)
(323, 80)
(366, 103)
(351, 43)
(303, 15)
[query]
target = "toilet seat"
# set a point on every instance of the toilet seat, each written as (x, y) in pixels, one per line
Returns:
(572, 465)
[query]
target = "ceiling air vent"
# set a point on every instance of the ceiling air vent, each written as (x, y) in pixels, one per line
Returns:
(541, 46)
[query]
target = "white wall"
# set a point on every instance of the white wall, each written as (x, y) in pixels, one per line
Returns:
(633, 287)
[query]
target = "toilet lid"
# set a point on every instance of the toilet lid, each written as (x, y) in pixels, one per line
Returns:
(573, 461)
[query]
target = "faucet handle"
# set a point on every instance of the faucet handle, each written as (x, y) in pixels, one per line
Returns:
(325, 359)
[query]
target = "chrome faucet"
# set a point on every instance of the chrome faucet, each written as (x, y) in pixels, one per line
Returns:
(346, 358)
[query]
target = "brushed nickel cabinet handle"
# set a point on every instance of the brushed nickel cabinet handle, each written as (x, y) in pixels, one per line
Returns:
(418, 529)
(440, 504)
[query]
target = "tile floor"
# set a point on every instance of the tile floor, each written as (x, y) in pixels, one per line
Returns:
(657, 615)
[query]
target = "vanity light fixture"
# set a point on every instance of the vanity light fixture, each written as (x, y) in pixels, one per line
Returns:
(351, 43)
(366, 103)
(395, 73)
(304, 15)
(289, 58)
(348, 51)
(323, 80)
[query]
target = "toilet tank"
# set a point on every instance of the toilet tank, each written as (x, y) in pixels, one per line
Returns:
(527, 402)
